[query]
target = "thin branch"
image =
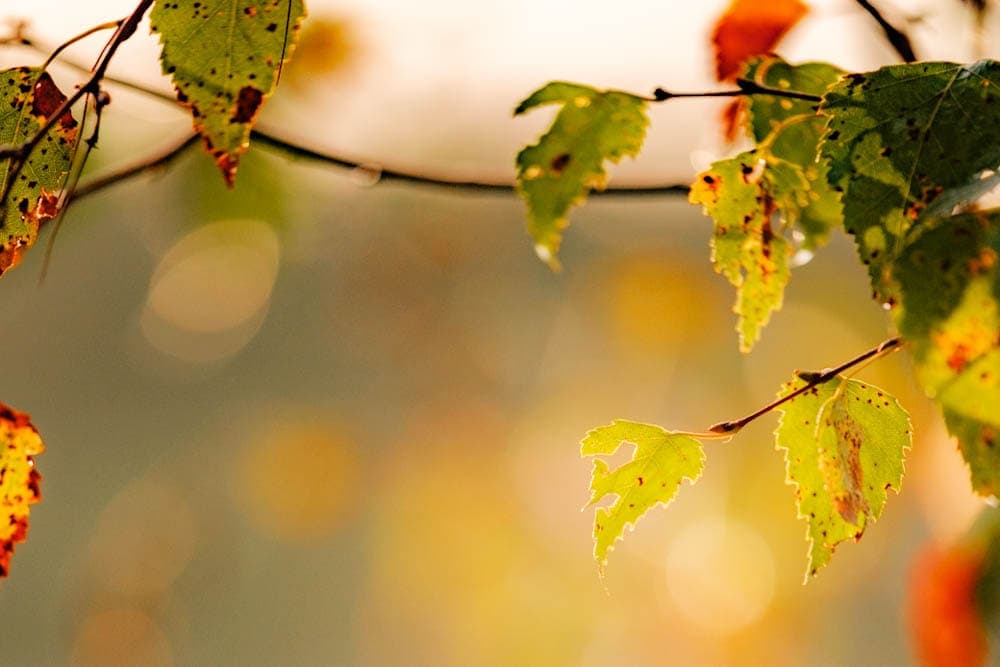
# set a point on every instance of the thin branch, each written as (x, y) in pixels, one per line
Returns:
(744, 87)
(897, 38)
(147, 165)
(21, 152)
(812, 379)
(379, 173)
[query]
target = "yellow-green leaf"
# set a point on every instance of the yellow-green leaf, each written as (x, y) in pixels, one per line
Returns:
(660, 461)
(844, 443)
(28, 97)
(949, 283)
(559, 171)
(225, 57)
(745, 248)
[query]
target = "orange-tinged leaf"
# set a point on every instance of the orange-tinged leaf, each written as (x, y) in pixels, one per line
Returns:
(734, 119)
(19, 481)
(28, 96)
(945, 625)
(751, 28)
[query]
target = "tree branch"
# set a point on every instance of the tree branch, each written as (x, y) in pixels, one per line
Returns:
(897, 38)
(19, 154)
(381, 174)
(744, 87)
(812, 379)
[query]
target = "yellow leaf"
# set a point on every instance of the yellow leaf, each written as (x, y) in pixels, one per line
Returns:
(19, 481)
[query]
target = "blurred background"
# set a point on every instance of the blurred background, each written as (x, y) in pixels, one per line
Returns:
(320, 421)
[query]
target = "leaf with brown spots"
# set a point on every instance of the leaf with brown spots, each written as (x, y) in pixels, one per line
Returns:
(662, 459)
(27, 97)
(949, 313)
(746, 249)
(901, 138)
(751, 28)
(591, 128)
(844, 443)
(19, 481)
(225, 59)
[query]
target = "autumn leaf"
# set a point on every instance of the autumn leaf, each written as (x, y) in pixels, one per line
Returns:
(225, 59)
(750, 28)
(591, 128)
(844, 443)
(944, 622)
(662, 459)
(19, 481)
(949, 282)
(28, 96)
(902, 137)
(745, 247)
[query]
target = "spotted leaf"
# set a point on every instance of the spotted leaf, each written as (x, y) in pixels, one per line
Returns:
(950, 314)
(900, 137)
(19, 481)
(225, 58)
(844, 443)
(745, 247)
(28, 96)
(592, 127)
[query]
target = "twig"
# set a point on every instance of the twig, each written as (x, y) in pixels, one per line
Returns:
(744, 87)
(21, 152)
(150, 164)
(384, 174)
(897, 38)
(812, 379)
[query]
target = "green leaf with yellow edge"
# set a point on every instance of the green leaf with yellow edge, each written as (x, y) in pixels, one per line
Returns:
(791, 130)
(224, 58)
(19, 481)
(897, 139)
(558, 172)
(660, 461)
(745, 248)
(28, 97)
(949, 284)
(844, 443)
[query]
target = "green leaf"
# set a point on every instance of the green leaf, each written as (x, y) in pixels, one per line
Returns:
(844, 443)
(27, 97)
(950, 314)
(791, 130)
(660, 461)
(899, 137)
(568, 161)
(225, 58)
(745, 249)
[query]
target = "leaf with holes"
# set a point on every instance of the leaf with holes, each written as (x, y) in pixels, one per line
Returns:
(568, 161)
(950, 314)
(28, 97)
(844, 443)
(225, 58)
(19, 481)
(745, 248)
(661, 460)
(900, 137)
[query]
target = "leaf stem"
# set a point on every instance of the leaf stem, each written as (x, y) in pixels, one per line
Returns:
(812, 379)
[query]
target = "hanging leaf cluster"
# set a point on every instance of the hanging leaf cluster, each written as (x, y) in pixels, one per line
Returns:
(898, 159)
